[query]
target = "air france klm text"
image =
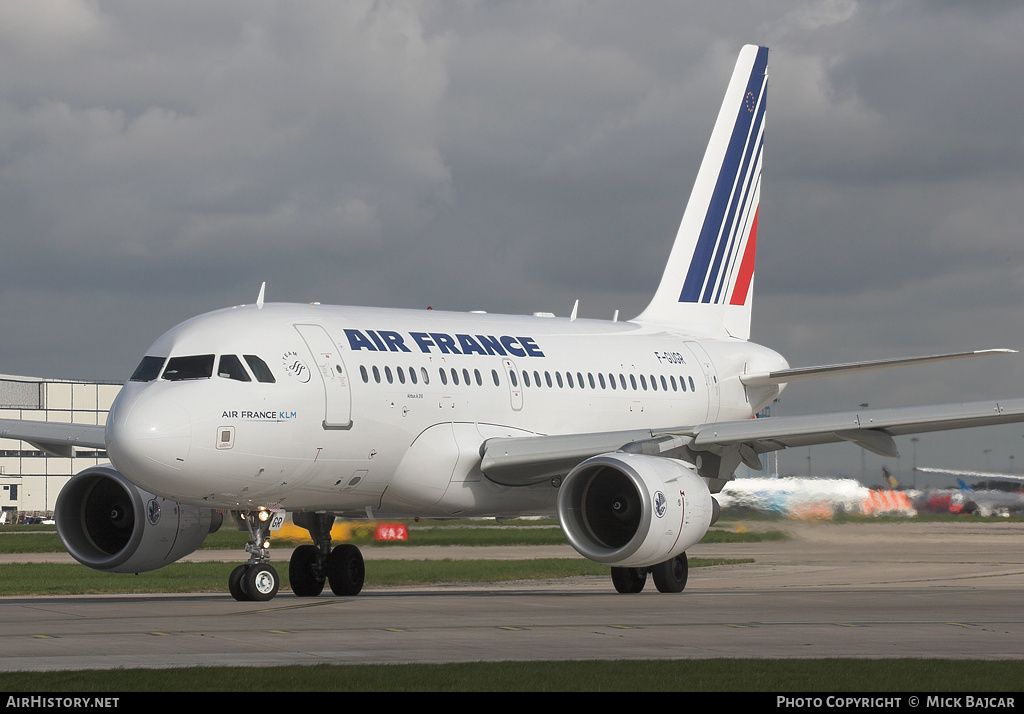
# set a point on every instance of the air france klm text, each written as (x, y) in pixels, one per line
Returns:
(442, 343)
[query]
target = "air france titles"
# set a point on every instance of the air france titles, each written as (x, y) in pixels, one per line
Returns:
(442, 343)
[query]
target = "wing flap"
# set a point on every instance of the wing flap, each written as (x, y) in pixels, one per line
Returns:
(773, 433)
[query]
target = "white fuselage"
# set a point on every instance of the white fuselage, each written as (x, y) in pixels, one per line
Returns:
(376, 412)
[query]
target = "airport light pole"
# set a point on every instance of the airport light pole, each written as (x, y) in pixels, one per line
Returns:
(913, 462)
(863, 464)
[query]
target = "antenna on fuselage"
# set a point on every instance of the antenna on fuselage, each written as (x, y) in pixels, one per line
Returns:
(575, 308)
(259, 300)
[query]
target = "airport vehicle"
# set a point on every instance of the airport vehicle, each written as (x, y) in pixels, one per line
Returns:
(625, 430)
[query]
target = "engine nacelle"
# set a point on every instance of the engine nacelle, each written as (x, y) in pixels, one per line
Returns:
(633, 510)
(108, 523)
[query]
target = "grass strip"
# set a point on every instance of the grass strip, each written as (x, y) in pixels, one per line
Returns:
(709, 675)
(74, 579)
(479, 535)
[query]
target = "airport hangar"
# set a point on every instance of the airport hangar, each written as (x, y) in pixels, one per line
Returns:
(31, 479)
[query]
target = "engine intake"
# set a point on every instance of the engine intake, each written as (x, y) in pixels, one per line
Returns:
(634, 510)
(108, 523)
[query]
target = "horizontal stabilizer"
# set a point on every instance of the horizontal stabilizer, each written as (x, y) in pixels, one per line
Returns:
(785, 376)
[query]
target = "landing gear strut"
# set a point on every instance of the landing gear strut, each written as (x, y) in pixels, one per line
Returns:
(313, 565)
(256, 580)
(306, 569)
(669, 576)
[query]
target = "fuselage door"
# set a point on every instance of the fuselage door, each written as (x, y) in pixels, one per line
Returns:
(514, 385)
(337, 391)
(710, 378)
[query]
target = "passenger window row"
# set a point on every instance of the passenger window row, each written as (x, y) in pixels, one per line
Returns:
(410, 375)
(231, 367)
(632, 381)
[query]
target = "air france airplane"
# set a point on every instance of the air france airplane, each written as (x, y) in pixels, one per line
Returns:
(624, 430)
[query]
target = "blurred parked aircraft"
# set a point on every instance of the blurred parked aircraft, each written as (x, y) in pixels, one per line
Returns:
(1000, 494)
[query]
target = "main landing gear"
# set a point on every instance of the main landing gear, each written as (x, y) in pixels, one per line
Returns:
(669, 576)
(310, 567)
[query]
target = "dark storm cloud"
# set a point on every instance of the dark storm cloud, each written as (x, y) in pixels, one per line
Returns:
(162, 159)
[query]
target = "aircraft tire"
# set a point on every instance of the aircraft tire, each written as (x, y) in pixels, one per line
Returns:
(261, 582)
(670, 576)
(302, 572)
(629, 580)
(346, 570)
(235, 584)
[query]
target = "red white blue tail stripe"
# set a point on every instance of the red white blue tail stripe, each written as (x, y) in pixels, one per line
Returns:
(707, 285)
(723, 262)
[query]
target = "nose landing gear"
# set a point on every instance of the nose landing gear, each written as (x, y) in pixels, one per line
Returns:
(257, 580)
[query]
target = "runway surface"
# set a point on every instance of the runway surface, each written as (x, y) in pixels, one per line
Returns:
(855, 590)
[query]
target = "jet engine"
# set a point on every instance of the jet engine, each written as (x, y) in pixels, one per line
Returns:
(108, 523)
(634, 510)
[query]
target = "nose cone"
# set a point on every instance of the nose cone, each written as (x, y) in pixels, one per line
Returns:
(148, 435)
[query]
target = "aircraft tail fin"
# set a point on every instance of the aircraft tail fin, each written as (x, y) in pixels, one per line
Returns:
(963, 485)
(708, 280)
(889, 479)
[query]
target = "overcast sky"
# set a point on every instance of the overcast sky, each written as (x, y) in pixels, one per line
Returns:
(162, 159)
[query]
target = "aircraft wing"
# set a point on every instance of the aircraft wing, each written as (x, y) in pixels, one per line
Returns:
(55, 438)
(724, 445)
(872, 429)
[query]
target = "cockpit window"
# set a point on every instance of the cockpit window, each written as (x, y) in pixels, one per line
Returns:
(260, 369)
(230, 367)
(148, 369)
(191, 367)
